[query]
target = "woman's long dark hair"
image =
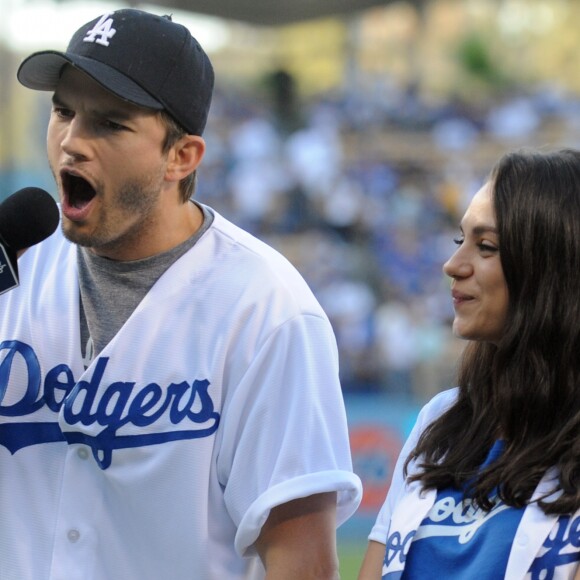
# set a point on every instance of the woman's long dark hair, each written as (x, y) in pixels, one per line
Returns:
(527, 387)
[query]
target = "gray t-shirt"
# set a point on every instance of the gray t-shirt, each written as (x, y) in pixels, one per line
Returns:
(111, 290)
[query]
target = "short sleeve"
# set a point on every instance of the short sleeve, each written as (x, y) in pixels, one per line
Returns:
(438, 405)
(285, 433)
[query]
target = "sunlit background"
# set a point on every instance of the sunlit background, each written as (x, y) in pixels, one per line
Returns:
(351, 143)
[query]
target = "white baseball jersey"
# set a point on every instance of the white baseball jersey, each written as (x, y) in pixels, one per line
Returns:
(217, 400)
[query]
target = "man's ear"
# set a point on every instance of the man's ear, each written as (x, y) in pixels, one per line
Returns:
(184, 157)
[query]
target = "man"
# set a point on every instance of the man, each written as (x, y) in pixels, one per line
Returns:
(169, 400)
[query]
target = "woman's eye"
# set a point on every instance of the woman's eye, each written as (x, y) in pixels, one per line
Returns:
(457, 241)
(487, 247)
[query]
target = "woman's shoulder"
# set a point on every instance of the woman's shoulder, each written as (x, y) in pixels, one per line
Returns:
(439, 404)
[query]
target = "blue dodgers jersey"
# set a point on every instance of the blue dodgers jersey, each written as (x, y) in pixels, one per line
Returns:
(458, 540)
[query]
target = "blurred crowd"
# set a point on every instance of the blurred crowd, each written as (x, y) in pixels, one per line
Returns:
(369, 225)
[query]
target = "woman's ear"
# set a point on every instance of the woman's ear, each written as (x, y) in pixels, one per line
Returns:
(184, 157)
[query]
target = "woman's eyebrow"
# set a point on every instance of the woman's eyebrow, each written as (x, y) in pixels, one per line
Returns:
(482, 229)
(478, 230)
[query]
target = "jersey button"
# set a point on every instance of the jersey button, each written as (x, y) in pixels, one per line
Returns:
(523, 540)
(83, 453)
(73, 536)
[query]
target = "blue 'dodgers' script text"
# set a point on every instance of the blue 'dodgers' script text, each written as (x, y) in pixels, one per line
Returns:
(87, 402)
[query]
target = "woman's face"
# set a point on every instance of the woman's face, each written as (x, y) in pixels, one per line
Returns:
(478, 287)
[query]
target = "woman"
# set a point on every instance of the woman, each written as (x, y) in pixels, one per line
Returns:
(488, 484)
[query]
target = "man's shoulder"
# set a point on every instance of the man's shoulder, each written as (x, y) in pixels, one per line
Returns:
(244, 260)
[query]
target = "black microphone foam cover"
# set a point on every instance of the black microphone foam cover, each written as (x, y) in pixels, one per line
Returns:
(27, 217)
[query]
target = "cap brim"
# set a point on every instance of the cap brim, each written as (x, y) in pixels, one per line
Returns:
(42, 70)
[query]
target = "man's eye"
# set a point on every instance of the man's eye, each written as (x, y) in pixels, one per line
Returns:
(113, 126)
(458, 241)
(63, 113)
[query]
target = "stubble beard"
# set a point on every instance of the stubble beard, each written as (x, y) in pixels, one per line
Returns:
(124, 220)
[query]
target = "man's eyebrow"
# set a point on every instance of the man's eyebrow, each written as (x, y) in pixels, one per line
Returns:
(118, 114)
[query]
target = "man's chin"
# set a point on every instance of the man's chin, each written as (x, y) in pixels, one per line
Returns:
(73, 234)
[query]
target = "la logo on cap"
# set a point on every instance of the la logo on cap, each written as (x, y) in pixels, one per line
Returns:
(149, 61)
(102, 31)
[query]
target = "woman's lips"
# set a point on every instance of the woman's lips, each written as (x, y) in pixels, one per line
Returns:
(460, 297)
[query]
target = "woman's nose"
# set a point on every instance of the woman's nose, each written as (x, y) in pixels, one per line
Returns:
(457, 266)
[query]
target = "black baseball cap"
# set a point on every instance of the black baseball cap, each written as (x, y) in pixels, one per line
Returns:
(142, 58)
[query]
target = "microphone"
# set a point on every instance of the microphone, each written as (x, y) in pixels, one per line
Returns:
(26, 218)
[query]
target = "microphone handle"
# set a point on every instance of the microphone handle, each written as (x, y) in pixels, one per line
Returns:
(8, 267)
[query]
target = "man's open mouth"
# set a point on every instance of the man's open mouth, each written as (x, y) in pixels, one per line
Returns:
(78, 192)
